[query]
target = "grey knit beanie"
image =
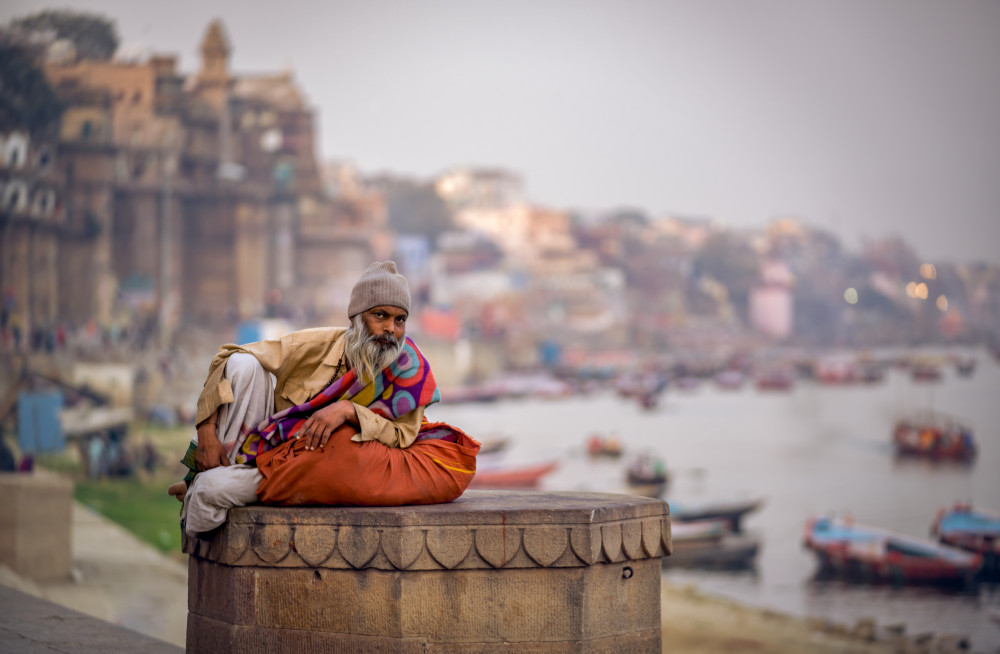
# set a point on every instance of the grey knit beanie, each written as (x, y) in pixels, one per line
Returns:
(381, 284)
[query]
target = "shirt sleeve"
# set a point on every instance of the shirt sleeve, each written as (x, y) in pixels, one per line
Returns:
(217, 390)
(401, 432)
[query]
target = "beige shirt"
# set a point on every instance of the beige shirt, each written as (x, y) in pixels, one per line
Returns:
(304, 363)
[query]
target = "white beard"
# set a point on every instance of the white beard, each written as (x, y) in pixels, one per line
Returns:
(367, 353)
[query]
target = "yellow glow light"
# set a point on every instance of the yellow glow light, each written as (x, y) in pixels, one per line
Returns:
(928, 271)
(921, 290)
(911, 289)
(942, 303)
(851, 296)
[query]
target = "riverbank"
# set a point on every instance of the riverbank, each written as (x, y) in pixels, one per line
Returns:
(124, 581)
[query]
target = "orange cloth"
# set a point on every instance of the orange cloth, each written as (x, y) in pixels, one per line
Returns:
(347, 473)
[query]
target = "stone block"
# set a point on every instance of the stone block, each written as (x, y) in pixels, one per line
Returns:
(495, 571)
(35, 525)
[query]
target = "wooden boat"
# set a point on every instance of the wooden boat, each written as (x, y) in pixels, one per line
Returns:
(935, 436)
(494, 445)
(730, 379)
(730, 512)
(646, 469)
(925, 372)
(522, 476)
(653, 490)
(853, 550)
(973, 530)
(965, 366)
(837, 369)
(774, 380)
(598, 445)
(710, 544)
(469, 394)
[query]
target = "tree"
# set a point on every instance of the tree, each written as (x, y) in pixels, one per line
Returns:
(27, 100)
(93, 35)
(732, 262)
(416, 208)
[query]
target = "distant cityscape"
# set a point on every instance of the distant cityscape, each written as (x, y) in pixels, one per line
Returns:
(138, 204)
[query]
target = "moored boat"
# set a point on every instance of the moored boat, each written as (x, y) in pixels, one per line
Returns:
(730, 512)
(512, 476)
(935, 436)
(850, 549)
(925, 372)
(598, 445)
(494, 445)
(730, 379)
(774, 380)
(646, 469)
(731, 551)
(973, 530)
(965, 366)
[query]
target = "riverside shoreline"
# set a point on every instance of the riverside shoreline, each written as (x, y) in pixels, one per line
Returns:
(123, 581)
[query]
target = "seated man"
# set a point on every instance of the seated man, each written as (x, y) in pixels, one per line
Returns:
(350, 427)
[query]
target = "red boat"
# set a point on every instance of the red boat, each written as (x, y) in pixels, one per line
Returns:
(854, 550)
(774, 380)
(934, 436)
(973, 530)
(526, 476)
(598, 445)
(925, 372)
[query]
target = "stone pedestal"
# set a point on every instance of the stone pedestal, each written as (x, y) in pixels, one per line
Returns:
(35, 525)
(494, 571)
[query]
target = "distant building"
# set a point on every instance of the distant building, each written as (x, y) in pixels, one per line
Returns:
(31, 215)
(771, 307)
(188, 199)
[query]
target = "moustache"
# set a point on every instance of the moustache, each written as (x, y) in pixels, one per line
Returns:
(385, 340)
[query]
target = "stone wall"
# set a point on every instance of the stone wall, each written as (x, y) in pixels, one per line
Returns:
(35, 523)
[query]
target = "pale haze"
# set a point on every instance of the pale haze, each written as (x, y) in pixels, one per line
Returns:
(863, 118)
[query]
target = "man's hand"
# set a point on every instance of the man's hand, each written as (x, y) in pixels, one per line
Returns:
(211, 453)
(320, 426)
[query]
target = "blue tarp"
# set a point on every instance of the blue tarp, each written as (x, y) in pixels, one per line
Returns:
(38, 426)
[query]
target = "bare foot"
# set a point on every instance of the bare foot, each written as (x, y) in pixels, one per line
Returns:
(178, 490)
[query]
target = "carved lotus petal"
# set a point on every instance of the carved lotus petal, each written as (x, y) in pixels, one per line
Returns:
(632, 539)
(611, 538)
(586, 542)
(271, 543)
(315, 543)
(449, 545)
(651, 536)
(402, 546)
(357, 544)
(498, 545)
(545, 543)
(231, 543)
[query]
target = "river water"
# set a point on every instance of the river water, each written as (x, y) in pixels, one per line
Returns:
(816, 449)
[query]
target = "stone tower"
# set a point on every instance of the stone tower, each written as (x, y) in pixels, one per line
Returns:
(213, 78)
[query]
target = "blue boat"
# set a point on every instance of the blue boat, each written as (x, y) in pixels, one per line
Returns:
(854, 550)
(973, 530)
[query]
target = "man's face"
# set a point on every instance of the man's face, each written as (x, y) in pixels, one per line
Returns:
(386, 323)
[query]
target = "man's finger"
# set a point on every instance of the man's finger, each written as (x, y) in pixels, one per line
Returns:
(224, 460)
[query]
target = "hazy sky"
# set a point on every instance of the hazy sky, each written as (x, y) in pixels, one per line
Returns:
(865, 117)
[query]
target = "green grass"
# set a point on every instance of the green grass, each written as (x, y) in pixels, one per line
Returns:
(139, 502)
(140, 505)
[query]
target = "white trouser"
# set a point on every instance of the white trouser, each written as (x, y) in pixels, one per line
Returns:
(213, 492)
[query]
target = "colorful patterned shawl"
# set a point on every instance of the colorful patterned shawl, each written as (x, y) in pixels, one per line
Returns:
(398, 389)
